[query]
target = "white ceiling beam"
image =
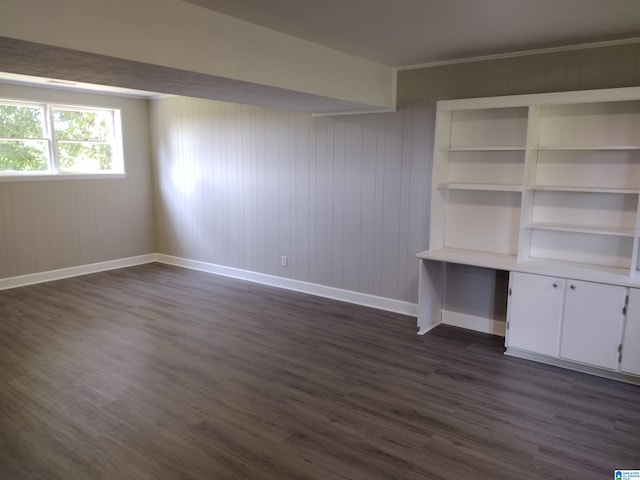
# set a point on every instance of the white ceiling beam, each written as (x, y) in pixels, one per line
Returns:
(180, 35)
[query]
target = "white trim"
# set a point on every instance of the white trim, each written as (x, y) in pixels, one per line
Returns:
(357, 298)
(553, 98)
(471, 322)
(51, 275)
(423, 330)
(373, 301)
(29, 177)
(354, 112)
(521, 53)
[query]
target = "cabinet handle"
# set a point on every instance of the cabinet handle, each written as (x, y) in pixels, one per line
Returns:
(573, 287)
(555, 285)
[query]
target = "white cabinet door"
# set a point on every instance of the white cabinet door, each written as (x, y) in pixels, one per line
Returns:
(535, 310)
(631, 340)
(592, 321)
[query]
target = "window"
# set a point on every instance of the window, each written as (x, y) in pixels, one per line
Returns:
(46, 139)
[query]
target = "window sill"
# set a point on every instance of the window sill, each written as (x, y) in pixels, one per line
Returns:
(66, 176)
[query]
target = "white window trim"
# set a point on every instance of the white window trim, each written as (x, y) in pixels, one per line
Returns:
(54, 172)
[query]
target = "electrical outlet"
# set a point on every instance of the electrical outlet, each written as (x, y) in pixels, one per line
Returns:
(284, 261)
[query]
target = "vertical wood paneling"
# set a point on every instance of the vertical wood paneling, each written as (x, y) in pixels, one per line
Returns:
(318, 251)
(302, 198)
(282, 211)
(345, 198)
(391, 168)
(379, 201)
(5, 225)
(9, 238)
(23, 228)
(333, 194)
(338, 240)
(368, 178)
(353, 207)
(405, 221)
(618, 67)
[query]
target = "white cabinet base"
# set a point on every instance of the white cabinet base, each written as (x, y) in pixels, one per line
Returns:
(578, 367)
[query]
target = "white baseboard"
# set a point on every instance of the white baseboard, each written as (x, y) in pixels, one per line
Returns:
(381, 303)
(59, 274)
(471, 322)
(423, 330)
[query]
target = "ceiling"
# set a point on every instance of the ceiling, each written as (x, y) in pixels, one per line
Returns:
(408, 32)
(395, 33)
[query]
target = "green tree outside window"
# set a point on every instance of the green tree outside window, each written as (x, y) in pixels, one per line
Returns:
(22, 123)
(83, 139)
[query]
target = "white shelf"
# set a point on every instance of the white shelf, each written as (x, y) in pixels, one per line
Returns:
(566, 188)
(487, 149)
(564, 227)
(497, 261)
(471, 257)
(586, 149)
(577, 271)
(491, 187)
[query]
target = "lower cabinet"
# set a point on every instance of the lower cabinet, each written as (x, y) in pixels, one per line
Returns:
(592, 323)
(592, 320)
(534, 312)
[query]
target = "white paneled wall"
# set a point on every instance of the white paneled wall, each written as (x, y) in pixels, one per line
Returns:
(342, 197)
(52, 224)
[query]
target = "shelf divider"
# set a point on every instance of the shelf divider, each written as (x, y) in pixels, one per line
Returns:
(488, 149)
(563, 227)
(585, 149)
(495, 187)
(567, 188)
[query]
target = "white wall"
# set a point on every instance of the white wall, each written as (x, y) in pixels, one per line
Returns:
(342, 197)
(52, 224)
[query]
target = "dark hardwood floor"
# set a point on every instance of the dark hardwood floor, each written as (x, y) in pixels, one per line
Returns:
(156, 372)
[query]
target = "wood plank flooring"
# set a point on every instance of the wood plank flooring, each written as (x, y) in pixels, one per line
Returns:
(156, 372)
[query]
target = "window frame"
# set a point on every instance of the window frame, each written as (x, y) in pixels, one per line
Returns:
(54, 171)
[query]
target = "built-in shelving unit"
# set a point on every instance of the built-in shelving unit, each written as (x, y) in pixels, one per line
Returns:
(545, 184)
(549, 177)
(478, 172)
